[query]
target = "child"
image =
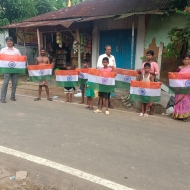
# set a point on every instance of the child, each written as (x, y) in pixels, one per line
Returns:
(82, 87)
(104, 95)
(69, 90)
(153, 70)
(41, 60)
(90, 95)
(146, 77)
(154, 66)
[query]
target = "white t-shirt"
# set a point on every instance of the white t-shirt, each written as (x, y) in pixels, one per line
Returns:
(10, 51)
(111, 61)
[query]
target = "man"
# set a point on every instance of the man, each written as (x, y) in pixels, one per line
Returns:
(9, 50)
(107, 54)
(112, 64)
(41, 60)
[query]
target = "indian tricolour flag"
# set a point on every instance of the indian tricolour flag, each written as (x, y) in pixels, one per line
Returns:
(66, 78)
(145, 92)
(124, 78)
(83, 76)
(39, 73)
(12, 64)
(101, 81)
(179, 83)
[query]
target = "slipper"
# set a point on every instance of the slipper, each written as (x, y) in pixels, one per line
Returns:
(98, 111)
(13, 99)
(49, 99)
(36, 99)
(184, 120)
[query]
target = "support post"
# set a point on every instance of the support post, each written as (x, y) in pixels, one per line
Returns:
(79, 54)
(38, 36)
(132, 44)
(161, 47)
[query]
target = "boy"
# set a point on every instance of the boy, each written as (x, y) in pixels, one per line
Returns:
(69, 90)
(146, 77)
(104, 95)
(82, 87)
(41, 60)
(153, 70)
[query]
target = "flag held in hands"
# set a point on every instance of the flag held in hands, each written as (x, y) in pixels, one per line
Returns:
(12, 64)
(101, 81)
(145, 92)
(124, 78)
(66, 78)
(38, 73)
(83, 76)
(179, 83)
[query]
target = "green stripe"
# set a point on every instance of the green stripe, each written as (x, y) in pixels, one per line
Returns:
(179, 90)
(40, 78)
(12, 70)
(82, 81)
(101, 87)
(67, 84)
(144, 99)
(122, 85)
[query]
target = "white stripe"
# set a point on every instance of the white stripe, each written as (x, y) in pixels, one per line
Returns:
(11, 64)
(83, 75)
(42, 72)
(64, 168)
(124, 78)
(179, 83)
(99, 80)
(145, 91)
(69, 78)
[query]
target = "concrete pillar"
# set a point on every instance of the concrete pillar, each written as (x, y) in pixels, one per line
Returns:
(140, 41)
(95, 46)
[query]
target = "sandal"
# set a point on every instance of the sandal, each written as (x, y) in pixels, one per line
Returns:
(184, 120)
(141, 114)
(3, 101)
(97, 111)
(13, 99)
(36, 99)
(145, 115)
(49, 99)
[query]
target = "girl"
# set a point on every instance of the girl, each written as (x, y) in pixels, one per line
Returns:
(90, 95)
(146, 77)
(182, 101)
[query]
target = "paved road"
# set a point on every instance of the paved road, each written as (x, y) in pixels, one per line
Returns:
(140, 153)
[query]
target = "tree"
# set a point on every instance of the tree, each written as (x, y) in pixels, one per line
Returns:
(45, 6)
(16, 11)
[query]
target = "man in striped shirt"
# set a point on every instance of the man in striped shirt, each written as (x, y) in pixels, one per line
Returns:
(9, 50)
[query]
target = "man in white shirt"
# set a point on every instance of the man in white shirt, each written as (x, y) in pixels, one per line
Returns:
(9, 50)
(112, 64)
(107, 54)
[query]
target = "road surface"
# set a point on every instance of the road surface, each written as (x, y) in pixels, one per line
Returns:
(138, 153)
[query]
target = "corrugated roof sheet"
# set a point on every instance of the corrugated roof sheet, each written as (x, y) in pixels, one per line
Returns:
(93, 8)
(65, 23)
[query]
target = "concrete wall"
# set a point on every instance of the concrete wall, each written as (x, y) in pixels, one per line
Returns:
(2, 38)
(140, 41)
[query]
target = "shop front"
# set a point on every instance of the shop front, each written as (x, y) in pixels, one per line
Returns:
(63, 44)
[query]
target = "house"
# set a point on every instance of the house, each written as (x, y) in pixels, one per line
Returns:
(131, 27)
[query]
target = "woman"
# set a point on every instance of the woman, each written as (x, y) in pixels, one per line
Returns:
(182, 101)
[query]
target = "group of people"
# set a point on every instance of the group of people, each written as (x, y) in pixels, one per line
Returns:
(106, 63)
